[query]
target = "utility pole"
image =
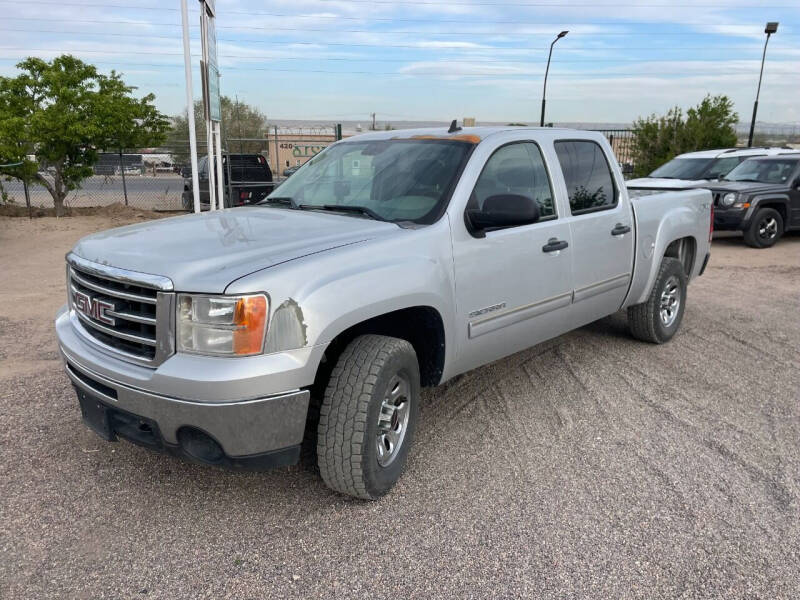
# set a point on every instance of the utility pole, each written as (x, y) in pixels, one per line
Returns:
(771, 28)
(373, 121)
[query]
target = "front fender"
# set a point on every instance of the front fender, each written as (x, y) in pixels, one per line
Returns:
(758, 200)
(314, 299)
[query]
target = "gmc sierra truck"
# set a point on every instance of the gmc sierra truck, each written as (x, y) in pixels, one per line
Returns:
(390, 262)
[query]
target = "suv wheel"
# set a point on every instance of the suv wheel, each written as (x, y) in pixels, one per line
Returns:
(659, 318)
(368, 416)
(765, 229)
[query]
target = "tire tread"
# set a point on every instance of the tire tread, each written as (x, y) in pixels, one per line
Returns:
(343, 414)
(640, 316)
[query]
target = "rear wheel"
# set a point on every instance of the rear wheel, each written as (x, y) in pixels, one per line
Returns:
(659, 318)
(765, 229)
(368, 416)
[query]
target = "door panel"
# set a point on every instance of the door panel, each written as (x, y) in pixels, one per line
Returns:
(602, 231)
(512, 293)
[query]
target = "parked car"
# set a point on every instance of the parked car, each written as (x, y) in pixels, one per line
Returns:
(760, 197)
(251, 181)
(205, 335)
(696, 169)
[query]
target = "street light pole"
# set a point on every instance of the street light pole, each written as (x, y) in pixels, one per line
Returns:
(546, 71)
(771, 28)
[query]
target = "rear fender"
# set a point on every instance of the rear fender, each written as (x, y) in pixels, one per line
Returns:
(656, 230)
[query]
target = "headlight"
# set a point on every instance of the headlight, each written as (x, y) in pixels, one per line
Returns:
(222, 325)
(728, 199)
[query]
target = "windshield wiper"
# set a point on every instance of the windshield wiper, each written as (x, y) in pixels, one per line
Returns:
(363, 210)
(748, 180)
(284, 200)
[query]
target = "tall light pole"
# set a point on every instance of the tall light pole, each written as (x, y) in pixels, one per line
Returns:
(771, 28)
(546, 71)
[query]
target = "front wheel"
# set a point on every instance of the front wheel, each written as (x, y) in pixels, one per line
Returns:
(368, 416)
(765, 229)
(658, 319)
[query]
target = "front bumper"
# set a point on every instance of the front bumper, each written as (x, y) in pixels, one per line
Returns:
(249, 410)
(732, 219)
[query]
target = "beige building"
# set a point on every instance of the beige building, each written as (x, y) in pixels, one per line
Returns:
(294, 149)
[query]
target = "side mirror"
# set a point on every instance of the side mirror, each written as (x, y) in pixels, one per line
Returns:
(503, 210)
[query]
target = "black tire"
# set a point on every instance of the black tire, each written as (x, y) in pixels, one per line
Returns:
(645, 320)
(766, 228)
(347, 435)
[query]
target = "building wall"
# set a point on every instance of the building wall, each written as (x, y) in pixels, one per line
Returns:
(294, 149)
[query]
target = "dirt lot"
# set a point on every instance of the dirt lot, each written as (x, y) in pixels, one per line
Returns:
(593, 466)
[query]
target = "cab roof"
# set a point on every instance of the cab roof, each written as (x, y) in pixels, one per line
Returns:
(468, 134)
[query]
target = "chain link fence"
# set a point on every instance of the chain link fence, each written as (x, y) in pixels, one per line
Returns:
(154, 179)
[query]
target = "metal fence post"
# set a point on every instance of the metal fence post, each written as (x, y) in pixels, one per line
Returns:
(122, 170)
(27, 197)
(277, 165)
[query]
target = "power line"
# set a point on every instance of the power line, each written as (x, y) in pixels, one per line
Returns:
(449, 73)
(360, 18)
(417, 47)
(271, 29)
(266, 57)
(442, 4)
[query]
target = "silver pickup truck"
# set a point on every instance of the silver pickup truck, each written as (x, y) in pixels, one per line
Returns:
(389, 262)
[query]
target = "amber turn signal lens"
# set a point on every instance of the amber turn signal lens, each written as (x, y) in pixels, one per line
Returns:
(250, 316)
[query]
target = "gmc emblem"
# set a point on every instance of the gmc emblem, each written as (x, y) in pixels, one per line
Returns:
(95, 309)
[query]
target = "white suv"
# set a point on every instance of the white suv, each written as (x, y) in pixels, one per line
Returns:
(696, 169)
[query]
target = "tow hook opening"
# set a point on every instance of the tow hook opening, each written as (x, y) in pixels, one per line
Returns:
(199, 445)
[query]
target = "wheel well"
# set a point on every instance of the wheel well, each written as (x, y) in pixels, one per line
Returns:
(421, 326)
(684, 249)
(779, 206)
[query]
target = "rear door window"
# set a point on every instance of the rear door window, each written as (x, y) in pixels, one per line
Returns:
(587, 174)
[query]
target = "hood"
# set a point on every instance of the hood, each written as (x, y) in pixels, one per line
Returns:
(666, 184)
(205, 252)
(754, 187)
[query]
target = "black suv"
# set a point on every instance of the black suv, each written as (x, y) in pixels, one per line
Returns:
(250, 180)
(760, 197)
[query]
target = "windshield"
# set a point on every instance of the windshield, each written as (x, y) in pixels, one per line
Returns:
(764, 171)
(394, 180)
(683, 168)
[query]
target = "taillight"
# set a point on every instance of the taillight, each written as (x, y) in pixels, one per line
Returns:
(711, 224)
(244, 195)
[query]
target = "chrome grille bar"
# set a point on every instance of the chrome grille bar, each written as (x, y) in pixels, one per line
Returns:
(123, 312)
(110, 292)
(125, 336)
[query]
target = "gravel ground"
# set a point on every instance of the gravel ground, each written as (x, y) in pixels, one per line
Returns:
(593, 466)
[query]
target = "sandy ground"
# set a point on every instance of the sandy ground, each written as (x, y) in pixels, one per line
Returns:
(592, 466)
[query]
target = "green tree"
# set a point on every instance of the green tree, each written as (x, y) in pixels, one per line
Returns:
(240, 120)
(64, 111)
(658, 139)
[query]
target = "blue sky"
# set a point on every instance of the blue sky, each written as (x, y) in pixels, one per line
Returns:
(433, 59)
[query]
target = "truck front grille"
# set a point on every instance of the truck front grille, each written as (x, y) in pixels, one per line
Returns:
(122, 315)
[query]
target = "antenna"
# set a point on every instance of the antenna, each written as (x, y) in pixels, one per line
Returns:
(454, 126)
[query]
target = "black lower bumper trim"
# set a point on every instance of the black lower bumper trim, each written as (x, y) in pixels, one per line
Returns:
(111, 423)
